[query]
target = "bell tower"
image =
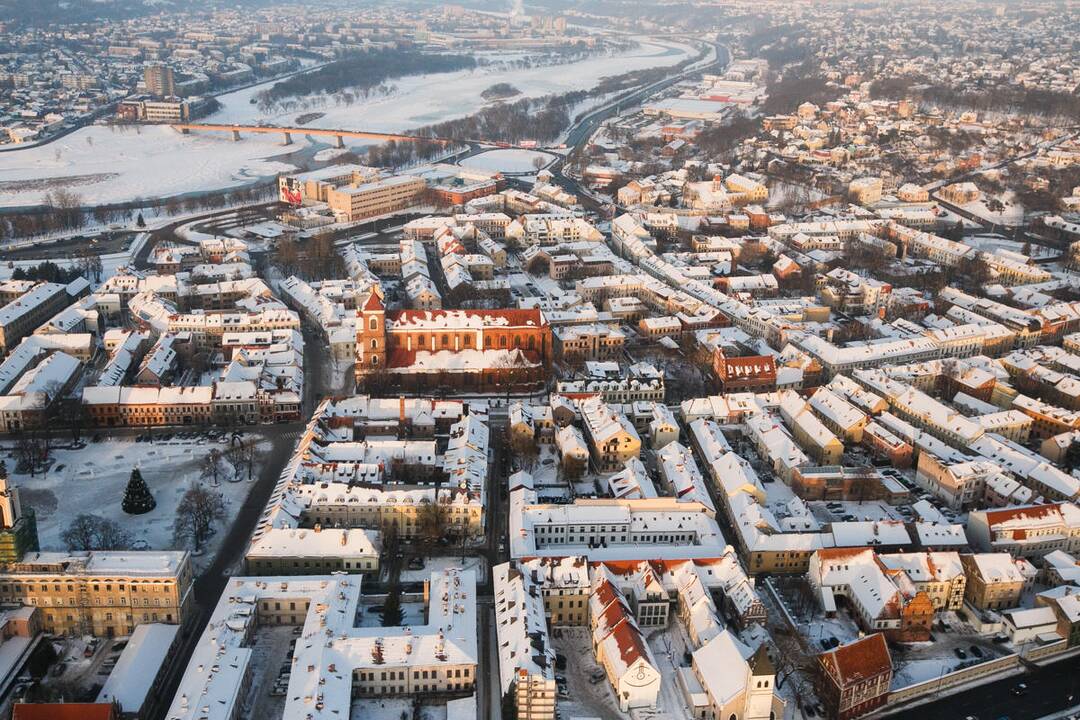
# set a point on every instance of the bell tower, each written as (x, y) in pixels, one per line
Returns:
(371, 334)
(760, 686)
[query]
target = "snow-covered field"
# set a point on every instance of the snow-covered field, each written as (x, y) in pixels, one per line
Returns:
(425, 99)
(104, 165)
(92, 480)
(508, 161)
(108, 165)
(990, 243)
(1012, 212)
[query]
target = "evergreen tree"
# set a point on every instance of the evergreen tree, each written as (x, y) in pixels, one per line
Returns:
(137, 497)
(392, 614)
(139, 221)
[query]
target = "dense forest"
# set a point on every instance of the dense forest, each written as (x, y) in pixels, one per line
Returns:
(364, 70)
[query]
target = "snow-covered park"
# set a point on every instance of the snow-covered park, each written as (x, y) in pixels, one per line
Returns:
(108, 165)
(93, 479)
(508, 161)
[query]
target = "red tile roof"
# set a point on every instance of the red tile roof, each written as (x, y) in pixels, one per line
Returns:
(63, 711)
(858, 661)
(373, 302)
(1033, 512)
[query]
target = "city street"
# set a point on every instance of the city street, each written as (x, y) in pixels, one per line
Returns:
(1049, 688)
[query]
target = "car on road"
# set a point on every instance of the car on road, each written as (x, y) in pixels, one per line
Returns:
(1020, 689)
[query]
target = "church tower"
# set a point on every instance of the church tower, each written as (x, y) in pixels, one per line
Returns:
(760, 686)
(370, 334)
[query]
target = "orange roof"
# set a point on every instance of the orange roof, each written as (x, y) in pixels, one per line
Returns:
(631, 644)
(858, 661)
(64, 711)
(994, 517)
(841, 553)
(373, 303)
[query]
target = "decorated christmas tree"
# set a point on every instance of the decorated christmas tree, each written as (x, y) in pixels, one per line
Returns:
(137, 497)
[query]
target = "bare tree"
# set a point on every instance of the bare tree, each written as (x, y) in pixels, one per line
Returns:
(211, 467)
(199, 509)
(243, 457)
(93, 532)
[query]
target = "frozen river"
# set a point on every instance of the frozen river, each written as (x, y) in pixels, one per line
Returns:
(105, 165)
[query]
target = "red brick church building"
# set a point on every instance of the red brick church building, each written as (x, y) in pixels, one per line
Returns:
(473, 350)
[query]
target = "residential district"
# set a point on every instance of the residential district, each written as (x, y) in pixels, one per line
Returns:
(747, 388)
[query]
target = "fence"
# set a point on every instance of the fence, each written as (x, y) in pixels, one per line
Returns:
(949, 680)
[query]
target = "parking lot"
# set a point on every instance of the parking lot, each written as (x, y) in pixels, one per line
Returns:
(271, 667)
(583, 690)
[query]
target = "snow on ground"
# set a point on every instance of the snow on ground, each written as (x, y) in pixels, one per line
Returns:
(1012, 212)
(328, 154)
(865, 511)
(508, 161)
(668, 648)
(583, 699)
(438, 564)
(112, 165)
(992, 242)
(426, 99)
(393, 709)
(781, 192)
(93, 480)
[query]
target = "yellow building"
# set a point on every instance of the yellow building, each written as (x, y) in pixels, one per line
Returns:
(995, 581)
(101, 593)
(378, 197)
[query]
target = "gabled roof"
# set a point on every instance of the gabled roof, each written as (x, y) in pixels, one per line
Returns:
(858, 661)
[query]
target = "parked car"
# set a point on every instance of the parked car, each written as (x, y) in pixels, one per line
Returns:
(977, 651)
(1020, 689)
(960, 653)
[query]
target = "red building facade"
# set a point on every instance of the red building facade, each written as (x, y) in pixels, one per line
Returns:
(477, 350)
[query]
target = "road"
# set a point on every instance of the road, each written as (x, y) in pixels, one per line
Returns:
(211, 583)
(1049, 690)
(581, 130)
